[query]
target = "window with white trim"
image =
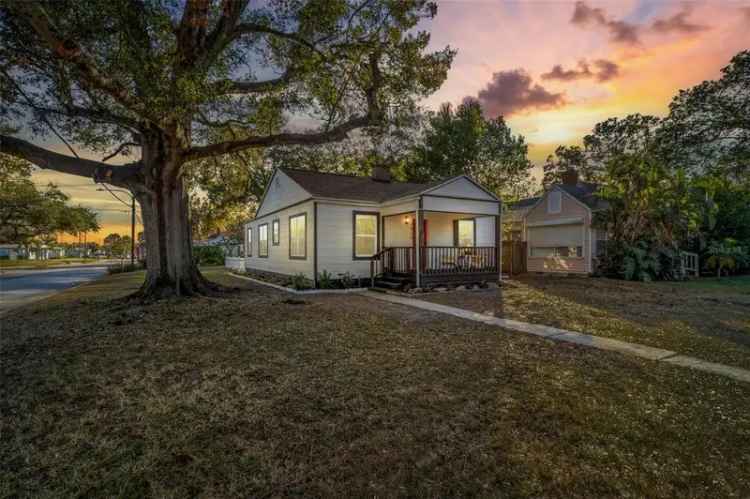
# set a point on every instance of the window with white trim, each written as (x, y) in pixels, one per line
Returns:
(554, 202)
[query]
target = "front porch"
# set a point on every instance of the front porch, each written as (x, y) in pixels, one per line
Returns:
(431, 247)
(437, 265)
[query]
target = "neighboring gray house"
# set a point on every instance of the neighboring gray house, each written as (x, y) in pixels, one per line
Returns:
(310, 222)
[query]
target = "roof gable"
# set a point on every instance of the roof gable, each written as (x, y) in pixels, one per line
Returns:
(281, 192)
(350, 187)
(461, 187)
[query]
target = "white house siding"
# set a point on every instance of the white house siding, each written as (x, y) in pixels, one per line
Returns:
(278, 256)
(282, 191)
(485, 231)
(462, 188)
(397, 233)
(439, 229)
(571, 210)
(469, 207)
(402, 207)
(336, 239)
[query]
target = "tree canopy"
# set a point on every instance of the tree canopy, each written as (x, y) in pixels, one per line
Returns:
(178, 81)
(29, 215)
(463, 141)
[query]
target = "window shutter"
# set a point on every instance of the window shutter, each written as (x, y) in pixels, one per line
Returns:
(455, 233)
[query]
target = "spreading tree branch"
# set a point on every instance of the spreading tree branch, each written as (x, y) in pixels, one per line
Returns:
(256, 28)
(122, 176)
(68, 50)
(251, 87)
(336, 133)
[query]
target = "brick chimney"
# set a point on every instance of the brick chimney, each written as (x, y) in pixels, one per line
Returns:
(381, 174)
(570, 177)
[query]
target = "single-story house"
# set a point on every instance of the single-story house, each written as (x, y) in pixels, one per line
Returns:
(310, 222)
(557, 227)
(11, 251)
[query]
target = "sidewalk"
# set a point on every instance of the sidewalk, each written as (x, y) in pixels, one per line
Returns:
(556, 334)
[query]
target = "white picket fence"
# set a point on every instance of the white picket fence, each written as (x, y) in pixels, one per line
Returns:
(690, 266)
(234, 263)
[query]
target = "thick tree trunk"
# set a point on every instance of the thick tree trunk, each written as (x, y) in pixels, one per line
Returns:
(170, 269)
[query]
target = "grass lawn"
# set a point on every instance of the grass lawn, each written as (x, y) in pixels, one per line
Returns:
(703, 318)
(734, 284)
(265, 394)
(43, 264)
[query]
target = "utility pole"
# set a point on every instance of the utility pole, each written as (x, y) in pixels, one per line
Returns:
(132, 217)
(132, 230)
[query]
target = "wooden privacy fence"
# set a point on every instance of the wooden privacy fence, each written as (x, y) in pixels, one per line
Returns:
(514, 257)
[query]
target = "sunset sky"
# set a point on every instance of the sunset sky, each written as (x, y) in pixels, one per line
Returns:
(553, 68)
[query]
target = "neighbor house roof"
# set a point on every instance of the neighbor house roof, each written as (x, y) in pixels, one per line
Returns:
(340, 186)
(523, 203)
(585, 192)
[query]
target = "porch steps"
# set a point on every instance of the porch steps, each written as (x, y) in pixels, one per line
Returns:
(391, 282)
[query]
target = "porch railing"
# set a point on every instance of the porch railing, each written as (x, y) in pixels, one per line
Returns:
(434, 260)
(457, 260)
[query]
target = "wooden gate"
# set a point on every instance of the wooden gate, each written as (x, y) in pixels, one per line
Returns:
(514, 257)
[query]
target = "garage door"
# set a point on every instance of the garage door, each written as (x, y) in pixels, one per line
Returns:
(558, 240)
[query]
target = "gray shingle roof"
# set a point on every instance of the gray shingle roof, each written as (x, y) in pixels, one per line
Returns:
(339, 186)
(585, 192)
(523, 203)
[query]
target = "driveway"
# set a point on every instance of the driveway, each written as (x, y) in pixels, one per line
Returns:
(24, 286)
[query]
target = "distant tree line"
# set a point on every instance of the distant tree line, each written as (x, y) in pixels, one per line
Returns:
(30, 216)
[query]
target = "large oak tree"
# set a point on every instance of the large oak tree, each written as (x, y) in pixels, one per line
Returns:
(158, 78)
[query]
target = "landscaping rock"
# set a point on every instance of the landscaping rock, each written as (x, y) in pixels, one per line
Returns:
(461, 288)
(441, 290)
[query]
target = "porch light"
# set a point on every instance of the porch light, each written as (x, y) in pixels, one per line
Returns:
(407, 220)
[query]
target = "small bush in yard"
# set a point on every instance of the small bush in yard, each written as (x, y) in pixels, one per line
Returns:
(299, 281)
(208, 255)
(348, 280)
(325, 280)
(125, 267)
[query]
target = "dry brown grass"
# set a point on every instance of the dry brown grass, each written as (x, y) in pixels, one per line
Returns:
(705, 319)
(342, 396)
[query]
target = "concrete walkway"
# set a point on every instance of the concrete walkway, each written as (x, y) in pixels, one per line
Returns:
(556, 334)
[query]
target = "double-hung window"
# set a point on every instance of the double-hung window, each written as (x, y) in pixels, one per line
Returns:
(464, 233)
(298, 237)
(249, 244)
(275, 232)
(263, 240)
(365, 234)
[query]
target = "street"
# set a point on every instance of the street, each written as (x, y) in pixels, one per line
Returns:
(24, 286)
